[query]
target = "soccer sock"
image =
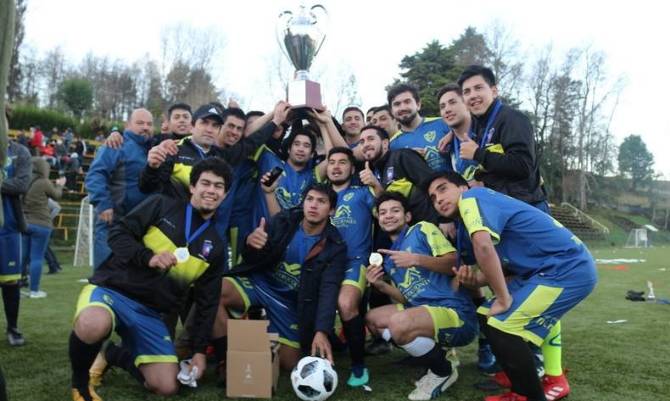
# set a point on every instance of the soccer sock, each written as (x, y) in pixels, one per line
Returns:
(419, 346)
(123, 358)
(11, 295)
(437, 361)
(551, 350)
(82, 356)
(516, 358)
(354, 331)
(220, 348)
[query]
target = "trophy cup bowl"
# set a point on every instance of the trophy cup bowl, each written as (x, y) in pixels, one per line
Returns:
(300, 35)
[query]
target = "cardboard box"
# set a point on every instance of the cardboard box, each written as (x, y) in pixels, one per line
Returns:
(252, 367)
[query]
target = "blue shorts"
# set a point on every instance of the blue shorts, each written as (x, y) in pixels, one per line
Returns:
(355, 273)
(281, 308)
(141, 328)
(10, 256)
(452, 327)
(538, 303)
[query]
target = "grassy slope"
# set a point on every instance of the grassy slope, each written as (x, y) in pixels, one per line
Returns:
(607, 362)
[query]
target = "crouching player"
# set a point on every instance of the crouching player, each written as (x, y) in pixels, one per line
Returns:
(430, 313)
(550, 270)
(159, 250)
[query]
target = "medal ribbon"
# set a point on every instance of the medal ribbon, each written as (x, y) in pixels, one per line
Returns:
(187, 228)
(486, 136)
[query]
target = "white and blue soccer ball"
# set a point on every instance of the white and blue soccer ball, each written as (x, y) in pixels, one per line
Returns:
(314, 379)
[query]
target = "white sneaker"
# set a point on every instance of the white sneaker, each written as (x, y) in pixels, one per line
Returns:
(431, 386)
(38, 294)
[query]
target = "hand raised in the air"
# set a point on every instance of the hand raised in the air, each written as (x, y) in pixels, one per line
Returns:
(258, 238)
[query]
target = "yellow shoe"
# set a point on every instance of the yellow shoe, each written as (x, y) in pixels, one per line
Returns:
(97, 370)
(76, 396)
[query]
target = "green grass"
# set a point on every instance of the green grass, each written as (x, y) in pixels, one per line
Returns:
(626, 361)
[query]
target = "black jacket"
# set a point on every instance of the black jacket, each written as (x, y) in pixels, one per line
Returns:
(320, 276)
(509, 161)
(17, 183)
(403, 171)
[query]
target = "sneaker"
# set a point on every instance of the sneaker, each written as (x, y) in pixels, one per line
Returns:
(431, 386)
(98, 369)
(360, 381)
(486, 361)
(15, 337)
(511, 396)
(91, 396)
(378, 347)
(502, 380)
(37, 294)
(555, 387)
(452, 356)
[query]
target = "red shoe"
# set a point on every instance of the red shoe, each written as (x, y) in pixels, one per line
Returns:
(511, 396)
(502, 380)
(555, 387)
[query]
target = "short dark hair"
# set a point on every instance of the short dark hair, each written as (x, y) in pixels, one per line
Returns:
(345, 150)
(324, 189)
(215, 165)
(452, 87)
(179, 106)
(384, 107)
(372, 109)
(474, 70)
(352, 108)
(451, 176)
(235, 112)
(294, 133)
(255, 113)
(395, 90)
(392, 195)
(381, 132)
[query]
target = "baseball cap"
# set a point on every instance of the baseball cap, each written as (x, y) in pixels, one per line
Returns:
(208, 111)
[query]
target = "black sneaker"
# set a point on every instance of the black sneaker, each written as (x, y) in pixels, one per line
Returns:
(15, 337)
(378, 347)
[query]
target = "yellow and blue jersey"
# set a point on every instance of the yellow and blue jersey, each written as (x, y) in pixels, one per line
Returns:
(426, 136)
(353, 219)
(417, 284)
(527, 240)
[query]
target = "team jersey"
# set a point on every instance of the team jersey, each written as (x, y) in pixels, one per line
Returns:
(286, 275)
(353, 219)
(426, 136)
(466, 168)
(417, 284)
(527, 240)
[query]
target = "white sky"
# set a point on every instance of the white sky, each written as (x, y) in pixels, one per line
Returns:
(369, 38)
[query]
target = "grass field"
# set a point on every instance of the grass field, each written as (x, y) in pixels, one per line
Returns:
(627, 361)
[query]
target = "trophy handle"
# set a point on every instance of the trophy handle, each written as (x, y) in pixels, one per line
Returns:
(284, 17)
(323, 19)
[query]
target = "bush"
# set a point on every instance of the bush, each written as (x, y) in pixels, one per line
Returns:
(26, 116)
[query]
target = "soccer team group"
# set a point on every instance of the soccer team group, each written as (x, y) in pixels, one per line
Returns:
(389, 222)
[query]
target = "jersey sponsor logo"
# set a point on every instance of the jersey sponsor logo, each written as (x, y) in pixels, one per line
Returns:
(288, 274)
(430, 136)
(413, 283)
(342, 217)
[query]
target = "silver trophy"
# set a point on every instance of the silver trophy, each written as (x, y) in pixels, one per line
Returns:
(300, 35)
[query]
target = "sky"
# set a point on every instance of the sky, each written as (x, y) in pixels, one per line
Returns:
(369, 38)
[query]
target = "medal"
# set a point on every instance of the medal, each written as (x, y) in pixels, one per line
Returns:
(181, 254)
(376, 259)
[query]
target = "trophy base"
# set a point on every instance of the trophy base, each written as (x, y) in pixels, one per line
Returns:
(305, 94)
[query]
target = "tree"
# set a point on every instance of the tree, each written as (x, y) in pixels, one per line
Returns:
(635, 160)
(77, 95)
(52, 70)
(15, 71)
(7, 15)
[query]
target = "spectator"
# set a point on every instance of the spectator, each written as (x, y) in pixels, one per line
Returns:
(36, 209)
(50, 255)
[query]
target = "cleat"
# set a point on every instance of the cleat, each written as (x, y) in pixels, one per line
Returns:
(15, 337)
(511, 396)
(555, 387)
(360, 381)
(486, 361)
(502, 380)
(98, 369)
(91, 396)
(431, 386)
(378, 347)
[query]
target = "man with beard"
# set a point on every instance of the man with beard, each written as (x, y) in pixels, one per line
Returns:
(416, 132)
(160, 250)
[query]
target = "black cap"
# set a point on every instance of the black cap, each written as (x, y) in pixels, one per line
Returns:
(208, 111)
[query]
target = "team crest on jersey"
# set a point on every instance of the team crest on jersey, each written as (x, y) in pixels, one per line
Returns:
(429, 136)
(389, 174)
(206, 248)
(107, 299)
(348, 197)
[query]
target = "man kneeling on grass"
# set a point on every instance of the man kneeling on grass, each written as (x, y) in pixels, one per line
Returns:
(159, 250)
(430, 313)
(549, 272)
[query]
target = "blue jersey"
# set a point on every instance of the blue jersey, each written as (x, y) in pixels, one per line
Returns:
(419, 285)
(466, 168)
(527, 240)
(353, 219)
(286, 276)
(426, 136)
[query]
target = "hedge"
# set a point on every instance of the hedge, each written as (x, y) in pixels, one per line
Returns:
(26, 116)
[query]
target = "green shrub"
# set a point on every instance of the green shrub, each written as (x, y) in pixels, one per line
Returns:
(26, 116)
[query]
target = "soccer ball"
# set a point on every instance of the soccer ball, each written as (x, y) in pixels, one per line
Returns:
(313, 379)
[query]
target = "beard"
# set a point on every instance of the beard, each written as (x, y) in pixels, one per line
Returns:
(340, 181)
(407, 120)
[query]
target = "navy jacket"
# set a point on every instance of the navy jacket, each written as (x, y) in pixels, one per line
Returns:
(320, 276)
